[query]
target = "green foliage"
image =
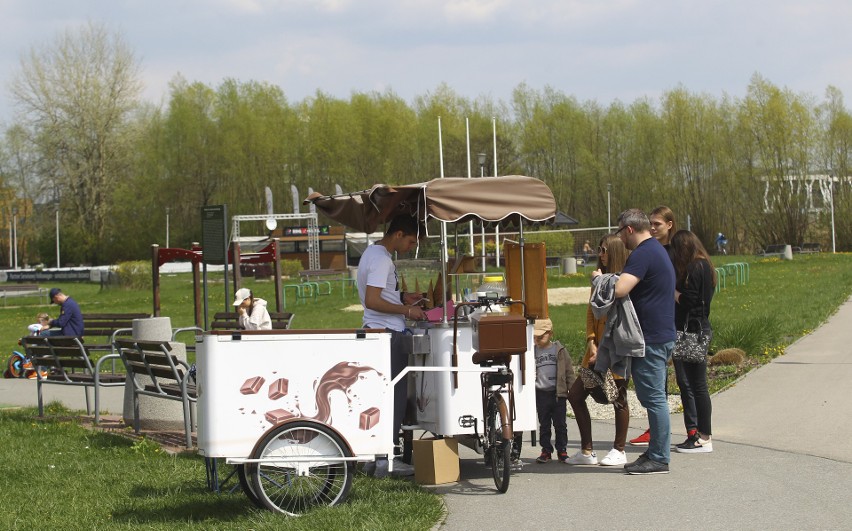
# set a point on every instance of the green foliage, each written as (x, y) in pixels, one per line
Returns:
(705, 157)
(752, 335)
(134, 275)
(556, 244)
(290, 268)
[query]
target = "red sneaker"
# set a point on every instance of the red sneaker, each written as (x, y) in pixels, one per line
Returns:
(643, 439)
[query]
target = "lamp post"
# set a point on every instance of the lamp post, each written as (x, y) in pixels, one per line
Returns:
(608, 208)
(167, 228)
(57, 236)
(831, 200)
(481, 159)
(15, 235)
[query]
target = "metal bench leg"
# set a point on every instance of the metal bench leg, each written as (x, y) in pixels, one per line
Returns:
(88, 405)
(40, 399)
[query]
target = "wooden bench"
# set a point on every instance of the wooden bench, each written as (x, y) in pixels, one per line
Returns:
(229, 320)
(773, 250)
(810, 247)
(100, 329)
(22, 290)
(158, 373)
(68, 363)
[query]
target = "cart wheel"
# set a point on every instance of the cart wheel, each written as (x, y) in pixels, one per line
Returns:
(15, 364)
(295, 487)
(244, 473)
(499, 447)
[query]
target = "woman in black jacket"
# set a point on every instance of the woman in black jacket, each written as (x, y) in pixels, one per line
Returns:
(696, 283)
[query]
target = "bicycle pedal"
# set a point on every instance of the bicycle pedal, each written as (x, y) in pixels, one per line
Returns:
(467, 421)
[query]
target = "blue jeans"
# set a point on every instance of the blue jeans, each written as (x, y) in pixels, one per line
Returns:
(649, 378)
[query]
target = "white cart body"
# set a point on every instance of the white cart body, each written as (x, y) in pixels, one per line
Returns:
(441, 405)
(250, 382)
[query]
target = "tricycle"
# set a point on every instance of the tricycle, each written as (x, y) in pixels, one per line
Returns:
(295, 410)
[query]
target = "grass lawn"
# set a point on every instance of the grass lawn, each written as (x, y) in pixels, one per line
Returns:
(78, 478)
(57, 474)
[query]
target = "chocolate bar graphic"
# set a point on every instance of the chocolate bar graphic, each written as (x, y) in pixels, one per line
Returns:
(369, 418)
(252, 385)
(277, 415)
(278, 388)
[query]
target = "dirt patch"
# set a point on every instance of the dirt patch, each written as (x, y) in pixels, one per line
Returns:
(560, 296)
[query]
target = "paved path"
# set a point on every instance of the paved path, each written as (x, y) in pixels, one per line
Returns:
(782, 459)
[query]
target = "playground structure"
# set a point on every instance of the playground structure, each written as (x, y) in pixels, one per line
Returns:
(270, 253)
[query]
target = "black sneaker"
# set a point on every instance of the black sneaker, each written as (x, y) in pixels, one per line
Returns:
(639, 460)
(689, 442)
(648, 466)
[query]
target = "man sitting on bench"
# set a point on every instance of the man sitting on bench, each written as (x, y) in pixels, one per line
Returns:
(70, 320)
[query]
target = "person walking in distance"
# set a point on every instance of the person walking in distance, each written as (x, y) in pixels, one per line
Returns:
(649, 279)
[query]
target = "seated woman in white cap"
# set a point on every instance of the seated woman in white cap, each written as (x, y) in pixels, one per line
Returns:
(252, 313)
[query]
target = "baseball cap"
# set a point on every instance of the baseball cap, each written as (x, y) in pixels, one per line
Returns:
(541, 326)
(241, 295)
(53, 293)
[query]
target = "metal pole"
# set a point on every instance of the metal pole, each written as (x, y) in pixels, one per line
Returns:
(57, 238)
(831, 199)
(482, 223)
(469, 175)
(608, 207)
(15, 236)
(10, 245)
(497, 228)
(167, 228)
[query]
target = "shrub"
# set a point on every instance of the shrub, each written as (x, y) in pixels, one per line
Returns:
(749, 335)
(290, 268)
(134, 275)
(555, 243)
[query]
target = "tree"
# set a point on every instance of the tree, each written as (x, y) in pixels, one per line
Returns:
(74, 97)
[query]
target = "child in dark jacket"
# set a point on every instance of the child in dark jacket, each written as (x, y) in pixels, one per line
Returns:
(554, 377)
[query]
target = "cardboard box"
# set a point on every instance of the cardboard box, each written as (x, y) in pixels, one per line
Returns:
(436, 461)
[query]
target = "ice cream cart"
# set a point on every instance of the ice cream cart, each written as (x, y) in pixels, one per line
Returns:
(294, 410)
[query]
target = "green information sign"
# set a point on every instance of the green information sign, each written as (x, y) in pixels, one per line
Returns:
(214, 234)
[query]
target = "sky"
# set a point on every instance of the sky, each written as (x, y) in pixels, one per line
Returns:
(602, 50)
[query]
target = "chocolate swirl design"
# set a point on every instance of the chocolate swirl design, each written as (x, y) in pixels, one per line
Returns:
(339, 378)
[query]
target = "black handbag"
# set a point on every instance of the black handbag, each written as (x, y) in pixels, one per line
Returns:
(692, 347)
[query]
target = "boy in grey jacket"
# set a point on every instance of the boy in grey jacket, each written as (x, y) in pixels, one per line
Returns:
(554, 376)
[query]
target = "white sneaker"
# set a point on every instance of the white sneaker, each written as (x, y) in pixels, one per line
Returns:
(614, 458)
(402, 469)
(582, 459)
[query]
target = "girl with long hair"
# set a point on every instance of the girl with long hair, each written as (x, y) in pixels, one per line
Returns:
(612, 255)
(696, 283)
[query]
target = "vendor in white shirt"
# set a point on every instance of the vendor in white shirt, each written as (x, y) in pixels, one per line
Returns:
(385, 306)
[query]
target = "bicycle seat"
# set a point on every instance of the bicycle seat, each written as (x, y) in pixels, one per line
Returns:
(490, 358)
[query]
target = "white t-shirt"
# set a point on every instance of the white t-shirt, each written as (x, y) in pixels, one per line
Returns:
(376, 269)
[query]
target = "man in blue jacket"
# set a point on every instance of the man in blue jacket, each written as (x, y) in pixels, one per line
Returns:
(70, 320)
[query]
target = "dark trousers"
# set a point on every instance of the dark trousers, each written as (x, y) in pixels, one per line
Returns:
(400, 351)
(694, 395)
(551, 410)
(577, 396)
